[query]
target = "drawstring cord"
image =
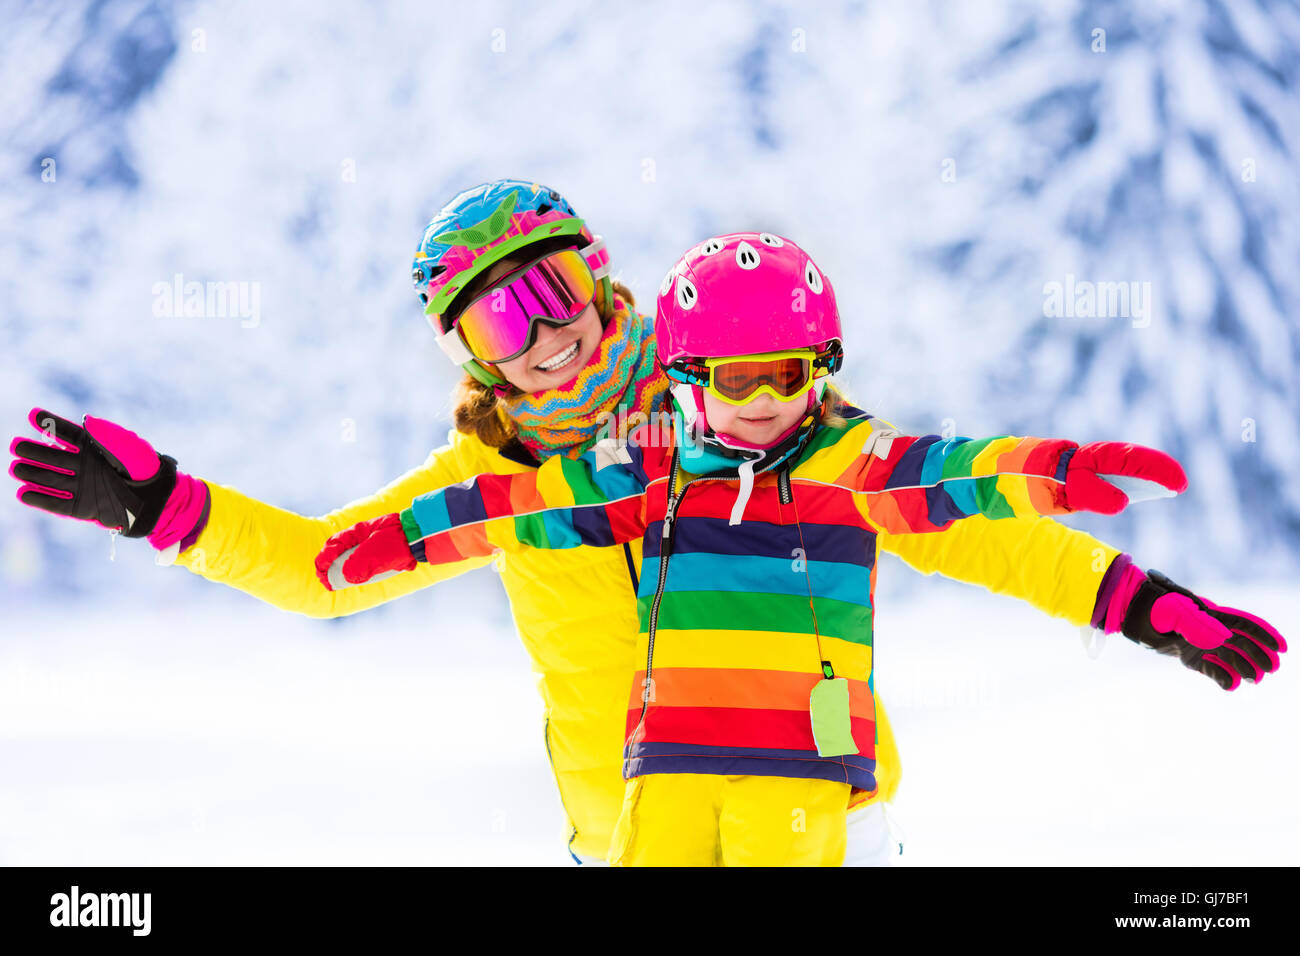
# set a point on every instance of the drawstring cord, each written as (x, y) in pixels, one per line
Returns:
(807, 577)
(746, 472)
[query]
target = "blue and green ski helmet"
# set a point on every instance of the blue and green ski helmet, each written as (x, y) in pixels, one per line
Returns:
(478, 228)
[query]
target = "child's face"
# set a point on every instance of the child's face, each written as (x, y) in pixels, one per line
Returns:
(526, 372)
(759, 421)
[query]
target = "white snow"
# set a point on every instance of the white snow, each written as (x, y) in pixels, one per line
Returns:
(227, 732)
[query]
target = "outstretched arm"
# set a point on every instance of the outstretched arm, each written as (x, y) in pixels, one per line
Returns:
(564, 504)
(103, 473)
(1050, 566)
(267, 551)
(597, 500)
(910, 484)
(1070, 574)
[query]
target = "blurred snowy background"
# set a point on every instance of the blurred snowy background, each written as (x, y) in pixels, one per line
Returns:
(947, 164)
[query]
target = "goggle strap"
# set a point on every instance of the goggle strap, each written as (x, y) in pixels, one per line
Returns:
(832, 360)
(597, 257)
(688, 374)
(454, 346)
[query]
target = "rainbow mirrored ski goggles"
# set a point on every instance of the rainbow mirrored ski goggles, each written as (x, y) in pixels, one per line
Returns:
(501, 324)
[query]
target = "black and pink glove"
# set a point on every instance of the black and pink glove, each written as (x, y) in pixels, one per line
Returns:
(101, 472)
(1226, 645)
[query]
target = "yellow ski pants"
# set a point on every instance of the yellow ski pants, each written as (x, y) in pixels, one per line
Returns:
(699, 819)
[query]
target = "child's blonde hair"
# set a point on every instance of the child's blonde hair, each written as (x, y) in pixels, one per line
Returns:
(832, 404)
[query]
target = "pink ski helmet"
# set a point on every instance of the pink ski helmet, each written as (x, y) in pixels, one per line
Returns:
(743, 293)
(740, 294)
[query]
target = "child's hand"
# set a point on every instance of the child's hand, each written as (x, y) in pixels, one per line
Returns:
(1108, 476)
(368, 551)
(1226, 645)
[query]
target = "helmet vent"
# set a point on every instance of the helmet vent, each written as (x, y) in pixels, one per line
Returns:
(746, 256)
(686, 294)
(812, 277)
(770, 240)
(710, 247)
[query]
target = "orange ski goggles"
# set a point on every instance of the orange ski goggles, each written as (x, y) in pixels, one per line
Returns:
(785, 376)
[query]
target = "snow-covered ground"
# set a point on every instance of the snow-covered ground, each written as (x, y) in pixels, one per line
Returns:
(228, 732)
(1018, 748)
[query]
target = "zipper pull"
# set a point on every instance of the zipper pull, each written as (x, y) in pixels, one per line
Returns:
(673, 496)
(112, 543)
(668, 515)
(783, 486)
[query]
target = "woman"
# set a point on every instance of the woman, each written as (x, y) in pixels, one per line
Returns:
(534, 389)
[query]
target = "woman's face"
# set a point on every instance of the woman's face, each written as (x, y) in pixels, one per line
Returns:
(760, 421)
(559, 353)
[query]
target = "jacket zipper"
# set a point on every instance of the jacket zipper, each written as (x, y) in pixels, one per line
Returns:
(786, 493)
(665, 550)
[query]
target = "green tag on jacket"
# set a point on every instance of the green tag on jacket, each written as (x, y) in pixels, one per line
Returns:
(829, 706)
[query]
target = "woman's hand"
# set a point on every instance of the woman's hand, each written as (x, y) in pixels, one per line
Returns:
(102, 472)
(1108, 476)
(1223, 643)
(368, 551)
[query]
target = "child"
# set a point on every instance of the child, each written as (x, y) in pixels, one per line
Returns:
(753, 721)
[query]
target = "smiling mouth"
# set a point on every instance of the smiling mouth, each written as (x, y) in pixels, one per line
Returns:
(758, 421)
(561, 359)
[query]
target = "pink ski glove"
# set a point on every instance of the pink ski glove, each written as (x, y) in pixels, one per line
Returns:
(1226, 645)
(1108, 476)
(101, 472)
(368, 551)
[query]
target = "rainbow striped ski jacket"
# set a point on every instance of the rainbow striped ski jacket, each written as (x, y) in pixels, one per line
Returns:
(736, 620)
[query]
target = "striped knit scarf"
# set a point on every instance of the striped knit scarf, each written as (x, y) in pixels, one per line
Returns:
(621, 378)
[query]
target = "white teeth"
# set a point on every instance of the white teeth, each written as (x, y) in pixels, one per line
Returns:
(555, 361)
